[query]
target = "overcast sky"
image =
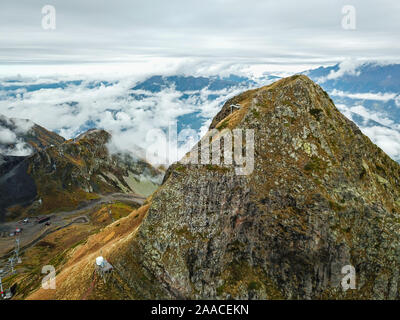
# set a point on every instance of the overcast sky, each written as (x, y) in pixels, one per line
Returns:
(183, 34)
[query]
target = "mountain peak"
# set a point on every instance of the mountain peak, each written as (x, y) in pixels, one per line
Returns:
(21, 137)
(321, 197)
(99, 135)
(298, 89)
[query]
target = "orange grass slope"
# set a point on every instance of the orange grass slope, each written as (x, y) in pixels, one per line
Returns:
(77, 280)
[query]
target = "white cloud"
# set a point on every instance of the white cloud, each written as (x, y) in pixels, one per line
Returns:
(386, 138)
(366, 114)
(19, 149)
(348, 66)
(366, 96)
(11, 145)
(397, 101)
(7, 136)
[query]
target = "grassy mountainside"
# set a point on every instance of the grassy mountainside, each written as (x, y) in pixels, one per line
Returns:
(57, 247)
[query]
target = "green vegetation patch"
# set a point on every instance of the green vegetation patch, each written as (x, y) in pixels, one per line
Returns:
(256, 114)
(240, 274)
(223, 125)
(315, 165)
(180, 167)
(214, 167)
(253, 285)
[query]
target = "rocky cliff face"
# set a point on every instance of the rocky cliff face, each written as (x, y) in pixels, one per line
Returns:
(321, 196)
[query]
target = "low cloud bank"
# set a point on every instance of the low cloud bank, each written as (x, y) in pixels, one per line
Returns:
(11, 136)
(129, 115)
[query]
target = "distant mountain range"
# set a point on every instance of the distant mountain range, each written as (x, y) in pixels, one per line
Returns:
(191, 89)
(375, 87)
(366, 93)
(364, 78)
(190, 83)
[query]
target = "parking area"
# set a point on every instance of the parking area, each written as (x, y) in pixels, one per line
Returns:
(31, 229)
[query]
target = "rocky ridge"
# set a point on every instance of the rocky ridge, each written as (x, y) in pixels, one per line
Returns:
(60, 177)
(25, 131)
(321, 196)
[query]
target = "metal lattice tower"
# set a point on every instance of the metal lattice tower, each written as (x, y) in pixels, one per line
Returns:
(12, 264)
(1, 286)
(18, 259)
(110, 214)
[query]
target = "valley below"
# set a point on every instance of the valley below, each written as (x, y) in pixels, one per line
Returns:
(41, 243)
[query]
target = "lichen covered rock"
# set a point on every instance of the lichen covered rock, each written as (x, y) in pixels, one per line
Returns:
(321, 196)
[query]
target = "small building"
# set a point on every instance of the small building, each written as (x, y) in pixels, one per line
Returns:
(103, 267)
(42, 220)
(235, 107)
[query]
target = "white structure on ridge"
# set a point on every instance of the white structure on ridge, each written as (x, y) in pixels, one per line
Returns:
(235, 107)
(103, 268)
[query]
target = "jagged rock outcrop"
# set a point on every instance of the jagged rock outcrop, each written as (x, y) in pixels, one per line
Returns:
(26, 132)
(60, 177)
(321, 196)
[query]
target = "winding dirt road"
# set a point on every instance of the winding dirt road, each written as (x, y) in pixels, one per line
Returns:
(33, 232)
